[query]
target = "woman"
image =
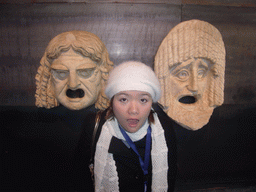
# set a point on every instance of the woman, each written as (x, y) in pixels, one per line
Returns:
(135, 150)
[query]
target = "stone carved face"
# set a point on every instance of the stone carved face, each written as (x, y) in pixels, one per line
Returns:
(189, 80)
(188, 100)
(190, 65)
(76, 80)
(73, 72)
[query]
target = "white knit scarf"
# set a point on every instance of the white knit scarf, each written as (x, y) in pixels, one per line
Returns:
(106, 177)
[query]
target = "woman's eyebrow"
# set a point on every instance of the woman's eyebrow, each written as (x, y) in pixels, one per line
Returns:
(119, 94)
(145, 94)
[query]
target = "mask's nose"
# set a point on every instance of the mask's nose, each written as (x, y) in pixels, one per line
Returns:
(193, 83)
(73, 82)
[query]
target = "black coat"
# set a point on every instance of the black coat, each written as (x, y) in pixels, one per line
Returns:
(129, 171)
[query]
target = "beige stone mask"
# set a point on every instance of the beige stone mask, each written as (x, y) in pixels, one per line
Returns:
(76, 80)
(73, 72)
(190, 65)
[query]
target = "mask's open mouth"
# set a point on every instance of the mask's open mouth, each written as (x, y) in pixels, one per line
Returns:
(187, 100)
(79, 93)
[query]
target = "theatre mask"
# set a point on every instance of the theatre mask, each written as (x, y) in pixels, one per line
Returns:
(73, 72)
(190, 65)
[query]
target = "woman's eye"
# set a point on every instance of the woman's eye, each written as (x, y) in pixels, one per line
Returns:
(123, 100)
(60, 74)
(144, 100)
(85, 73)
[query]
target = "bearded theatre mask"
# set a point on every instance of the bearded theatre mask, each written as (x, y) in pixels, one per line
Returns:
(73, 72)
(190, 65)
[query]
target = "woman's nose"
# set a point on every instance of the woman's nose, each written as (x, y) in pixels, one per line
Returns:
(133, 108)
(73, 82)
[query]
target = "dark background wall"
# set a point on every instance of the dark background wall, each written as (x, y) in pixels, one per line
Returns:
(42, 141)
(129, 31)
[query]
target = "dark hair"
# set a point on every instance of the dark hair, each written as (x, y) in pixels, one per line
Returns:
(110, 114)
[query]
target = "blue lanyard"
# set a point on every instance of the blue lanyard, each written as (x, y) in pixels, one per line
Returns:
(144, 165)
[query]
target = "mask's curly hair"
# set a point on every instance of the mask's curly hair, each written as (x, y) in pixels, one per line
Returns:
(83, 42)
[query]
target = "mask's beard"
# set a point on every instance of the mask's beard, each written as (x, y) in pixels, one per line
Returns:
(191, 113)
(79, 93)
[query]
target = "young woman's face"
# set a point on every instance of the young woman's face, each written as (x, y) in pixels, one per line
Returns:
(132, 108)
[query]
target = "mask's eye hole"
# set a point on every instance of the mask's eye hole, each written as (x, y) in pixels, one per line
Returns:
(182, 75)
(85, 73)
(201, 73)
(60, 74)
(187, 100)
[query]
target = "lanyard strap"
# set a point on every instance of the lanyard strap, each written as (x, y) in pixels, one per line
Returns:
(144, 164)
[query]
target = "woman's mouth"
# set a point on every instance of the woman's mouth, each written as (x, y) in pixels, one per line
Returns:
(133, 122)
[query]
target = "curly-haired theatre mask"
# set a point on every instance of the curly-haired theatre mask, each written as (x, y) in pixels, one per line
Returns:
(190, 65)
(73, 72)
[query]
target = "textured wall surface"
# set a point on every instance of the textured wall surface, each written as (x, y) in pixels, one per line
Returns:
(129, 31)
